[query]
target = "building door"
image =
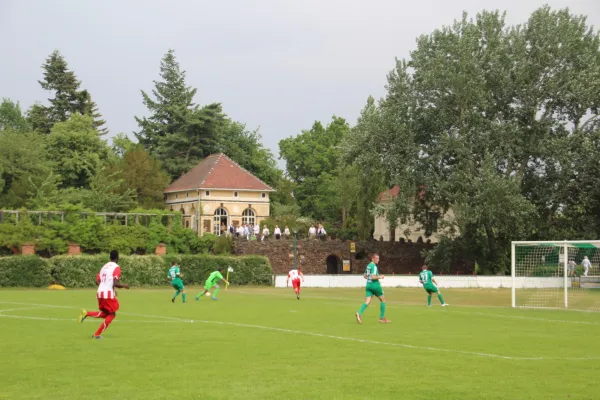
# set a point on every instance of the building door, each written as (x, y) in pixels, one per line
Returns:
(220, 222)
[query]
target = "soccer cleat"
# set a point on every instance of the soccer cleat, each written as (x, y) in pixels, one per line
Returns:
(445, 305)
(197, 297)
(298, 296)
(173, 300)
(384, 320)
(358, 319)
(96, 337)
(214, 298)
(82, 316)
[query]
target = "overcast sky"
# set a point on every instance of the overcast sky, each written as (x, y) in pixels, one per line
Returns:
(274, 64)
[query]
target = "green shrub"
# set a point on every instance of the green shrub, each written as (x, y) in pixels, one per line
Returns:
(547, 271)
(81, 271)
(24, 271)
(223, 245)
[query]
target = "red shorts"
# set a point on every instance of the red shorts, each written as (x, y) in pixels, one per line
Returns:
(296, 283)
(109, 306)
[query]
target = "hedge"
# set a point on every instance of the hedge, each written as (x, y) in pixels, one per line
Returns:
(25, 271)
(81, 271)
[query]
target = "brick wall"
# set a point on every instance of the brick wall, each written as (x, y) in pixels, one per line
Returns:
(395, 257)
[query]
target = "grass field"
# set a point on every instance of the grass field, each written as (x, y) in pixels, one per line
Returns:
(262, 343)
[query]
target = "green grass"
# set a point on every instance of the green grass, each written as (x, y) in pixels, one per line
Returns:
(261, 343)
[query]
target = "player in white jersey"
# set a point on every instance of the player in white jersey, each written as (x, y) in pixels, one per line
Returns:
(295, 275)
(107, 280)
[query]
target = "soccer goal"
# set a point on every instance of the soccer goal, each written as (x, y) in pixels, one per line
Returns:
(554, 275)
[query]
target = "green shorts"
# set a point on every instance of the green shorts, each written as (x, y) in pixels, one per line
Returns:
(430, 288)
(373, 290)
(210, 285)
(177, 284)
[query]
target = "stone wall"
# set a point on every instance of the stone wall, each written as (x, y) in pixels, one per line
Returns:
(395, 257)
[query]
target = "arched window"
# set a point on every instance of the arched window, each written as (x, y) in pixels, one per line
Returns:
(220, 220)
(248, 216)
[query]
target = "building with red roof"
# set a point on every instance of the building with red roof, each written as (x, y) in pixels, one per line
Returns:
(218, 193)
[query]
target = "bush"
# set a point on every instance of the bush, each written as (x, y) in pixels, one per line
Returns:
(547, 271)
(223, 245)
(81, 271)
(25, 271)
(94, 235)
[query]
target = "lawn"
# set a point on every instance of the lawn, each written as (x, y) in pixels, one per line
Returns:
(262, 343)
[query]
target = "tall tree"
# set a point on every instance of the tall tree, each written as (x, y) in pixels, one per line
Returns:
(67, 98)
(246, 149)
(481, 120)
(23, 163)
(312, 163)
(172, 107)
(11, 117)
(76, 151)
(177, 132)
(145, 176)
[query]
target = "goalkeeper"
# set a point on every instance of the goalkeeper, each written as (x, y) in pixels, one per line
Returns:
(430, 286)
(211, 282)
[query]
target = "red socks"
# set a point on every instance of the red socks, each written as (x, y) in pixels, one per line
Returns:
(109, 318)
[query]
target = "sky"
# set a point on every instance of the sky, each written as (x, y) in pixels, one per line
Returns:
(275, 65)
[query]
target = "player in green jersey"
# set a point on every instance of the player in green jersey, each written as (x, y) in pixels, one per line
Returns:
(176, 281)
(211, 282)
(373, 288)
(430, 286)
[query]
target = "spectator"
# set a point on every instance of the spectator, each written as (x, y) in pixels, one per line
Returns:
(312, 232)
(277, 232)
(256, 230)
(321, 233)
(247, 230)
(231, 230)
(240, 231)
(286, 232)
(265, 234)
(586, 265)
(572, 268)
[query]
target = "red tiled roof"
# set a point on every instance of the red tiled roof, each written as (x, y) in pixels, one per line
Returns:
(388, 195)
(218, 171)
(392, 193)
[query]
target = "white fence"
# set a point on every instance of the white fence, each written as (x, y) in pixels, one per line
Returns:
(408, 281)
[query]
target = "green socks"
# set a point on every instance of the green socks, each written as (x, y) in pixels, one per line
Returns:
(215, 293)
(439, 297)
(183, 296)
(428, 300)
(176, 294)
(363, 307)
(382, 310)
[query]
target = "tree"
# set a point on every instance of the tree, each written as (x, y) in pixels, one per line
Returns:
(68, 98)
(11, 117)
(481, 120)
(245, 148)
(144, 175)
(177, 132)
(76, 151)
(172, 108)
(312, 164)
(121, 144)
(23, 161)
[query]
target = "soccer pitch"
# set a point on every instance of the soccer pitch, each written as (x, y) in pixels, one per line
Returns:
(262, 343)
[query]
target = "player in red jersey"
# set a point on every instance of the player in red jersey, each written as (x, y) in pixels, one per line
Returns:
(295, 276)
(107, 280)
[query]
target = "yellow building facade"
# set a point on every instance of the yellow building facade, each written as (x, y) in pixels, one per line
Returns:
(218, 193)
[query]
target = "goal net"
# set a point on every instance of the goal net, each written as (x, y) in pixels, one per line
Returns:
(556, 274)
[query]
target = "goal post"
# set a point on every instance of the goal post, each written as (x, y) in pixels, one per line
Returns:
(556, 274)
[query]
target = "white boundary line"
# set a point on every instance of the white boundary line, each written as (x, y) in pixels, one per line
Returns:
(315, 334)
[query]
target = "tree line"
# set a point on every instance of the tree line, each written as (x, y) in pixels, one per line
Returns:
(496, 123)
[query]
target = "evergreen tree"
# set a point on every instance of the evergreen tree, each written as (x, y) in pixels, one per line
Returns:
(173, 107)
(11, 117)
(68, 98)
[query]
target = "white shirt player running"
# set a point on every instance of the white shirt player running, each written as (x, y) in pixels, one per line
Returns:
(294, 275)
(106, 277)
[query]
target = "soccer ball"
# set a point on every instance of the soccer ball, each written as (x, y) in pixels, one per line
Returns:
(208, 294)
